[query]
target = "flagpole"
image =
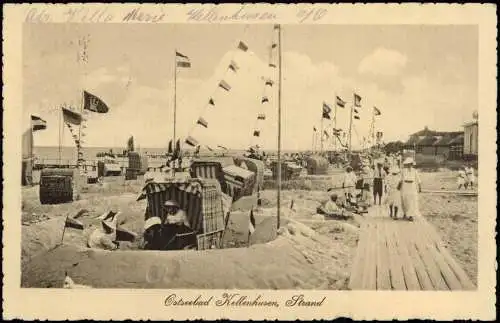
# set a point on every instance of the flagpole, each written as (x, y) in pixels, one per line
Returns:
(321, 144)
(175, 94)
(335, 124)
(350, 130)
(279, 128)
(312, 146)
(60, 134)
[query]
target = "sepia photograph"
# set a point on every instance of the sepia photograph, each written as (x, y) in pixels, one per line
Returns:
(151, 145)
(219, 163)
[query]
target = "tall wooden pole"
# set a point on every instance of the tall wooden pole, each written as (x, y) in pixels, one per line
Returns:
(350, 129)
(279, 127)
(335, 124)
(60, 135)
(322, 135)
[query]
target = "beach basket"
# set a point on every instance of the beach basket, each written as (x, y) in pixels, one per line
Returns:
(131, 174)
(317, 165)
(257, 167)
(239, 182)
(201, 199)
(59, 185)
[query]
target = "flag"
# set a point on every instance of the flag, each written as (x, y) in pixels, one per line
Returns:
(222, 147)
(211, 102)
(94, 103)
(340, 102)
(242, 46)
(182, 60)
(72, 223)
(170, 148)
(326, 134)
(261, 116)
(357, 100)
(202, 122)
(130, 143)
(265, 99)
(223, 84)
(276, 27)
(326, 111)
(197, 151)
(376, 111)
(209, 148)
(256, 133)
(251, 223)
(233, 66)
(314, 129)
(356, 117)
(272, 64)
(269, 82)
(71, 117)
(38, 123)
(177, 150)
(191, 141)
(356, 111)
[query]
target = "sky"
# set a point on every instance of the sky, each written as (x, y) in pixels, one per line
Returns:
(416, 75)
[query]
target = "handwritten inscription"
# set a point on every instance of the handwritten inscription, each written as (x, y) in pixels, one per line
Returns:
(214, 14)
(313, 14)
(87, 15)
(240, 300)
(37, 16)
(242, 14)
(139, 15)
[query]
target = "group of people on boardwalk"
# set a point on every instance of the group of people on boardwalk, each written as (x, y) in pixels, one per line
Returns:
(466, 178)
(401, 187)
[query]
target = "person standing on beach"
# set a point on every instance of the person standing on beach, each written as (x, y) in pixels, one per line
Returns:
(394, 194)
(378, 183)
(349, 183)
(471, 178)
(410, 187)
(462, 180)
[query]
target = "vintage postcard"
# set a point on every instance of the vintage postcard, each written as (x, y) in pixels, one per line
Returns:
(249, 161)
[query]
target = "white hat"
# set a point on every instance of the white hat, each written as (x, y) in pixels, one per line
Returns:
(154, 220)
(408, 160)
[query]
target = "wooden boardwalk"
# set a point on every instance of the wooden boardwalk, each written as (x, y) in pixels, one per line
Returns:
(402, 255)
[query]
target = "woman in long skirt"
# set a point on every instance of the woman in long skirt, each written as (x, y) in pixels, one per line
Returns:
(410, 187)
(394, 194)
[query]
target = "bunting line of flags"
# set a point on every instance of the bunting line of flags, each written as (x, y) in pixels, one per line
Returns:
(223, 84)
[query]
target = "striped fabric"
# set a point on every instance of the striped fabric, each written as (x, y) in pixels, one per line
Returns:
(240, 181)
(200, 199)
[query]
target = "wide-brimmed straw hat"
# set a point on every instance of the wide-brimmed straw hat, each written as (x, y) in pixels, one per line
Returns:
(408, 160)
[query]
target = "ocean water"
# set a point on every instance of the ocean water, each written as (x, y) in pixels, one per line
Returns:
(89, 153)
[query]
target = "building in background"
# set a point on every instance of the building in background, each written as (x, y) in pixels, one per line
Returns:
(436, 143)
(471, 136)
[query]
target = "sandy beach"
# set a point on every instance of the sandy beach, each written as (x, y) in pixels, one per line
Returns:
(308, 252)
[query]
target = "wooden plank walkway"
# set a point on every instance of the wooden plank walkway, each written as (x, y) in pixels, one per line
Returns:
(403, 255)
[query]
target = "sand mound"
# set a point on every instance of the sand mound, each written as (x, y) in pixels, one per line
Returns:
(299, 258)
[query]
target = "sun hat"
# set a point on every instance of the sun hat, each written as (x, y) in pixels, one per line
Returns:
(408, 160)
(171, 203)
(154, 220)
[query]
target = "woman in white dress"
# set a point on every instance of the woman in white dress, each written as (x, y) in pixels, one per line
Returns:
(410, 187)
(393, 193)
(462, 180)
(471, 178)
